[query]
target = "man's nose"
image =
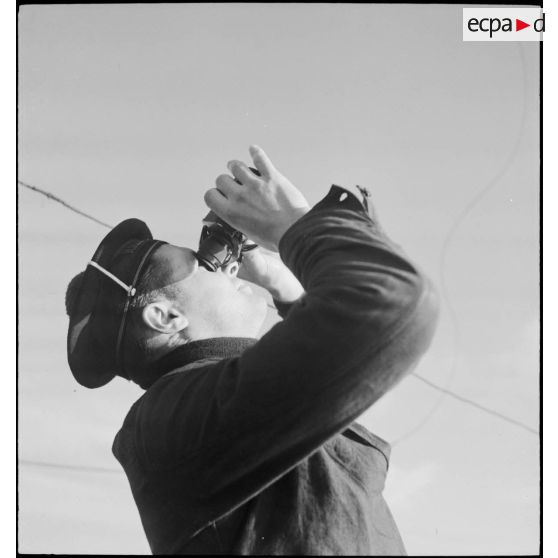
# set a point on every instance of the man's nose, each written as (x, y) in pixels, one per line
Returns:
(230, 269)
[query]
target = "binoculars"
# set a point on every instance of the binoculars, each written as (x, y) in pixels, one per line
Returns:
(221, 244)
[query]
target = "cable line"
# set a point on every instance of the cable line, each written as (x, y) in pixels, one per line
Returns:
(67, 205)
(476, 405)
(81, 468)
(450, 235)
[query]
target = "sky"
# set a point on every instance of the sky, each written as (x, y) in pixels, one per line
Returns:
(134, 110)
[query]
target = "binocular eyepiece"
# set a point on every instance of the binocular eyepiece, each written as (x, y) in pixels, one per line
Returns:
(221, 244)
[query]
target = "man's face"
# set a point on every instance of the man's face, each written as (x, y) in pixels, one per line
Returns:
(216, 304)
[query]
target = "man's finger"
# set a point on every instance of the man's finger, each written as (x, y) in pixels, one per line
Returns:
(217, 202)
(261, 161)
(241, 172)
(227, 186)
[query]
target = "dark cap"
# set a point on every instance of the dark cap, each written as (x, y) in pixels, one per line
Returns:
(99, 312)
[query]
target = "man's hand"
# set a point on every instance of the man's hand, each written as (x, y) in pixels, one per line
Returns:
(262, 207)
(268, 271)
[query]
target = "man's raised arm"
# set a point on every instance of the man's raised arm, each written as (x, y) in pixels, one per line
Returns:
(366, 318)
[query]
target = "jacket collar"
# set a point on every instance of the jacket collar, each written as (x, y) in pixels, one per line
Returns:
(216, 347)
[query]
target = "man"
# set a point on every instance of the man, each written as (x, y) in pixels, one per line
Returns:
(245, 446)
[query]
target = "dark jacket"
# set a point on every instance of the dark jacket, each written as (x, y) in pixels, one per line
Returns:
(246, 447)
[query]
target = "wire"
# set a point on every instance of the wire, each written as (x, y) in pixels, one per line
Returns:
(444, 390)
(450, 235)
(81, 468)
(67, 205)
(475, 404)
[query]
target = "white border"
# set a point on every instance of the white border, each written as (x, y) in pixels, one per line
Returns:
(8, 276)
(550, 279)
(7, 224)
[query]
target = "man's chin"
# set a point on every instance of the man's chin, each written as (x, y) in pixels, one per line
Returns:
(263, 308)
(257, 306)
(245, 288)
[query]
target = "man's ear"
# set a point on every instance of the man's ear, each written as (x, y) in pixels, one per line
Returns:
(164, 317)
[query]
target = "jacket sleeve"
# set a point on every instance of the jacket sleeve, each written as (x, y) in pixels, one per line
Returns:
(365, 320)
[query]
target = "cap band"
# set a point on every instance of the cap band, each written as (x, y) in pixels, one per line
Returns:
(129, 289)
(132, 289)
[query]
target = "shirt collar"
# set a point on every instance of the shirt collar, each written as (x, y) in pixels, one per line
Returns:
(216, 347)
